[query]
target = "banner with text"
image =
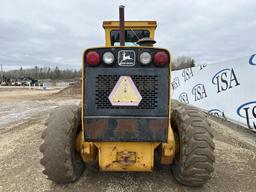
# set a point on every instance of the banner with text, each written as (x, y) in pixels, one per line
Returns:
(226, 90)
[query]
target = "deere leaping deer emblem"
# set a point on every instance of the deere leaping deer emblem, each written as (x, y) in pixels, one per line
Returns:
(126, 58)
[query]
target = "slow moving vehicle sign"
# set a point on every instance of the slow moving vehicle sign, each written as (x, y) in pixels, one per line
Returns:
(125, 93)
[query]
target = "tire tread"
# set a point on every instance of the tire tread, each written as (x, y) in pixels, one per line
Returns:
(58, 146)
(196, 158)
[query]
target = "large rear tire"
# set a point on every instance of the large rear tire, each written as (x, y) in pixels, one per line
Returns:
(193, 165)
(61, 162)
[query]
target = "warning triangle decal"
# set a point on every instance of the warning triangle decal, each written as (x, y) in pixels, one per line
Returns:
(125, 93)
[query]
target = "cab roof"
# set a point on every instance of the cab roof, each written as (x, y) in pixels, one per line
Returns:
(130, 24)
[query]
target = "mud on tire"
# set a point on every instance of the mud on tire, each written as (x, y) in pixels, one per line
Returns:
(194, 163)
(61, 162)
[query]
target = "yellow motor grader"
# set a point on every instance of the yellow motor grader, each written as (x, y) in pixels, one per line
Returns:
(127, 120)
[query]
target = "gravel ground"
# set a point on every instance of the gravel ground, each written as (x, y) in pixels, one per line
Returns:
(20, 138)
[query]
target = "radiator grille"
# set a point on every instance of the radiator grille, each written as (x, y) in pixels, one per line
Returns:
(146, 84)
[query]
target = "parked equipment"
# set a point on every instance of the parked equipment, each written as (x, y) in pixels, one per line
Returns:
(127, 119)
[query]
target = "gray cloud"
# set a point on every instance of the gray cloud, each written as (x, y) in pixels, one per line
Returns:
(50, 33)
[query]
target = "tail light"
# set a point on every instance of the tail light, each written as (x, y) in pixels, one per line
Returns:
(161, 58)
(92, 58)
(145, 58)
(108, 58)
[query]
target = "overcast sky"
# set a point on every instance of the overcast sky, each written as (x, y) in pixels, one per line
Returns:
(50, 33)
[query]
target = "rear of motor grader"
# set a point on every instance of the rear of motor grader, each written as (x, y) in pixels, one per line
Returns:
(127, 120)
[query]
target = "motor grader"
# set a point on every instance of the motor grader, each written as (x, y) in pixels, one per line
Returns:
(127, 120)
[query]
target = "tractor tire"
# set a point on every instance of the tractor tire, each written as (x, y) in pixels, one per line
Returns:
(193, 165)
(61, 161)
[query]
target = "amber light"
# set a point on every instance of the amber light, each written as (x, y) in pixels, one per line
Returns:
(161, 58)
(92, 58)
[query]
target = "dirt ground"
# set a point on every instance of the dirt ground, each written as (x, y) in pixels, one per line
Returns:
(22, 117)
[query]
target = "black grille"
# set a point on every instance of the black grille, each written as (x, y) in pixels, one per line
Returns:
(146, 84)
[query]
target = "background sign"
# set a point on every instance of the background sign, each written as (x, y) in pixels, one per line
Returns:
(226, 90)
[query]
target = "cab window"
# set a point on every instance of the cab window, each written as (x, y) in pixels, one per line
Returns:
(131, 37)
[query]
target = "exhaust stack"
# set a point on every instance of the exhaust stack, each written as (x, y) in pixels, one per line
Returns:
(121, 23)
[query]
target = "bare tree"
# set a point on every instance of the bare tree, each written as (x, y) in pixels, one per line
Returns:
(182, 63)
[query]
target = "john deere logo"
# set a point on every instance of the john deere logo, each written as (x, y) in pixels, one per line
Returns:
(126, 58)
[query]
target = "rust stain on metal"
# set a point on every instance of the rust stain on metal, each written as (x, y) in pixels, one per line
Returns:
(97, 128)
(126, 157)
(126, 129)
(156, 126)
(126, 126)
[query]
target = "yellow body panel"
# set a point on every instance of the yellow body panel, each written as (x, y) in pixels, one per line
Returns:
(126, 156)
(134, 25)
(169, 149)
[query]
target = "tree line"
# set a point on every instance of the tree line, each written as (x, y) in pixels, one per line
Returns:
(182, 63)
(43, 73)
(57, 73)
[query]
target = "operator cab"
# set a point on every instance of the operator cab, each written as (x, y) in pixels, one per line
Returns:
(134, 32)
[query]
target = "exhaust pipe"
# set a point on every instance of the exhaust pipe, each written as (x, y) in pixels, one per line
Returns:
(121, 25)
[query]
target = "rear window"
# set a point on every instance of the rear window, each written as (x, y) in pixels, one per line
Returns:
(131, 37)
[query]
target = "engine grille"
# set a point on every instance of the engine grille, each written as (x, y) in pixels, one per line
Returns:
(146, 84)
